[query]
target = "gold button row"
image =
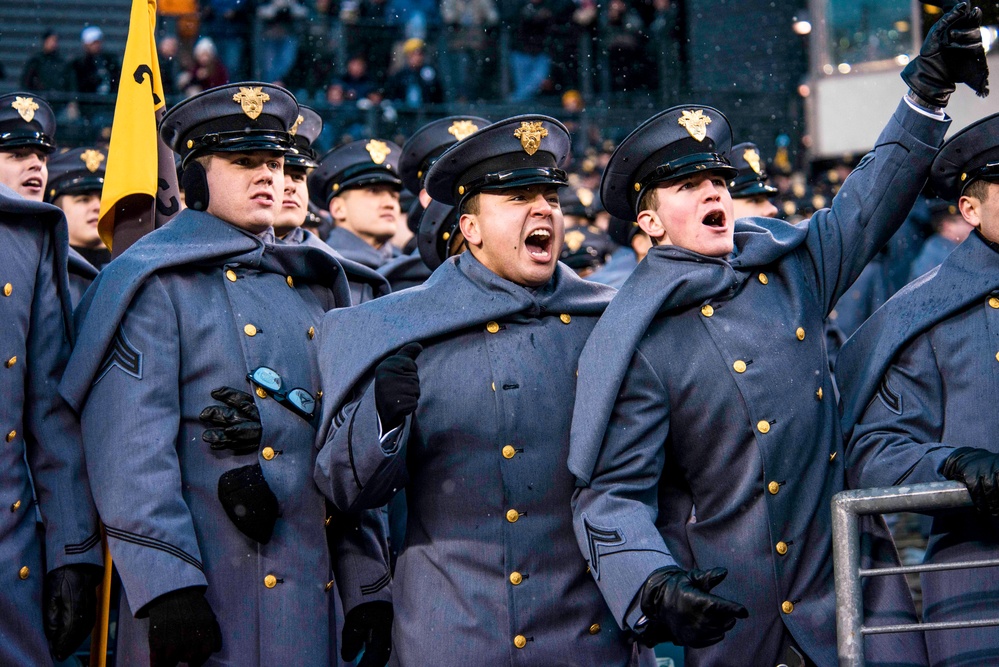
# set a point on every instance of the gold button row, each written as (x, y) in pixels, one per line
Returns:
(763, 278)
(268, 453)
(516, 578)
(520, 641)
(10, 362)
(24, 573)
(763, 426)
(707, 310)
(11, 436)
(781, 547)
(787, 606)
(270, 581)
(773, 488)
(509, 452)
(8, 289)
(492, 327)
(994, 302)
(512, 516)
(565, 317)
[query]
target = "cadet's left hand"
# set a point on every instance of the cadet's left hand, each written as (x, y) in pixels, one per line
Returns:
(977, 469)
(236, 425)
(70, 606)
(368, 625)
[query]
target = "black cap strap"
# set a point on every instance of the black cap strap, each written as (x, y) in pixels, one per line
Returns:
(502, 180)
(26, 138)
(988, 171)
(232, 141)
(671, 169)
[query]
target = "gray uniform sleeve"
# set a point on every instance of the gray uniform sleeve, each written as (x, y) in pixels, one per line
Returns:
(359, 552)
(898, 439)
(52, 432)
(130, 427)
(615, 516)
(357, 468)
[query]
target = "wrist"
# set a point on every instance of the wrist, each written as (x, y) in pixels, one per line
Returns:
(930, 107)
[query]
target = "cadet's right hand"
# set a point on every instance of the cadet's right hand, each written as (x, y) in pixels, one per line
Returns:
(681, 609)
(397, 386)
(182, 628)
(952, 53)
(977, 469)
(235, 425)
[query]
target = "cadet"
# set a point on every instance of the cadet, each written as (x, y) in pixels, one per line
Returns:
(950, 230)
(55, 568)
(418, 154)
(299, 161)
(749, 188)
(359, 185)
(226, 520)
(705, 431)
(76, 179)
(474, 424)
(919, 383)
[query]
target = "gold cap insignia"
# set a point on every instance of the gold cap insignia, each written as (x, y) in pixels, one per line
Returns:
(696, 123)
(92, 159)
(252, 100)
(530, 135)
(378, 150)
(26, 107)
(585, 196)
(462, 128)
(753, 159)
(574, 239)
(293, 130)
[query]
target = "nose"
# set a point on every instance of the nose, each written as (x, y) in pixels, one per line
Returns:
(264, 174)
(540, 206)
(290, 186)
(712, 192)
(35, 162)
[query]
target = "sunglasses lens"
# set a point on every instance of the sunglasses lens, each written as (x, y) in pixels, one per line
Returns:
(267, 379)
(302, 400)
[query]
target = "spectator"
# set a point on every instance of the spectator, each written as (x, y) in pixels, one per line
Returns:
(370, 33)
(46, 70)
(415, 16)
(356, 84)
(227, 22)
(417, 83)
(169, 48)
(625, 44)
(95, 71)
(279, 38)
(529, 59)
(207, 70)
(468, 41)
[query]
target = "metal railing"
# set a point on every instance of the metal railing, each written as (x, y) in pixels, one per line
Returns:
(847, 506)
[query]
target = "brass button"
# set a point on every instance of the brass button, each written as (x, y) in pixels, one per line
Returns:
(997, 356)
(250, 330)
(326, 521)
(739, 366)
(509, 452)
(328, 586)
(516, 578)
(832, 457)
(24, 572)
(763, 278)
(267, 453)
(707, 310)
(7, 289)
(11, 435)
(520, 641)
(291, 283)
(818, 394)
(230, 275)
(565, 317)
(595, 628)
(261, 393)
(492, 327)
(15, 505)
(512, 516)
(494, 386)
(787, 606)
(311, 333)
(270, 581)
(994, 302)
(800, 333)
(763, 426)
(781, 548)
(773, 488)
(445, 236)
(10, 362)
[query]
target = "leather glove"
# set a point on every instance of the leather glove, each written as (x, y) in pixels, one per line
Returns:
(249, 502)
(977, 469)
(70, 606)
(397, 386)
(368, 625)
(182, 628)
(681, 609)
(952, 53)
(235, 425)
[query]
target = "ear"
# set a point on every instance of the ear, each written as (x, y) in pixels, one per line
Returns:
(650, 223)
(338, 209)
(469, 225)
(971, 210)
(424, 198)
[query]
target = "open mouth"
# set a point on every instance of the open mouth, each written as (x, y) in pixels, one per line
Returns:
(263, 199)
(714, 219)
(34, 183)
(539, 244)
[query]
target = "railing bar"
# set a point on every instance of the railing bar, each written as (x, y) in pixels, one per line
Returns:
(933, 567)
(920, 627)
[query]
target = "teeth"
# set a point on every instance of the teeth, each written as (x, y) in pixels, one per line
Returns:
(541, 234)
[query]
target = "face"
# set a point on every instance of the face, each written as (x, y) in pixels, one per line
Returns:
(25, 171)
(50, 44)
(82, 214)
(245, 189)
(370, 212)
(517, 234)
(757, 206)
(983, 213)
(294, 203)
(694, 213)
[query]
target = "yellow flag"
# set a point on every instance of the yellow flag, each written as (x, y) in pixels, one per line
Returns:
(136, 156)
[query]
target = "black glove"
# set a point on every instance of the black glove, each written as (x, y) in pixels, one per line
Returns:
(368, 625)
(977, 469)
(182, 628)
(397, 386)
(952, 53)
(70, 606)
(249, 502)
(236, 425)
(680, 608)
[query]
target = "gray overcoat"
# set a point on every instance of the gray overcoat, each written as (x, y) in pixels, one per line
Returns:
(81, 274)
(354, 248)
(365, 283)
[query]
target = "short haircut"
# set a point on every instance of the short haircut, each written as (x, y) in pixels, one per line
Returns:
(470, 205)
(979, 189)
(649, 200)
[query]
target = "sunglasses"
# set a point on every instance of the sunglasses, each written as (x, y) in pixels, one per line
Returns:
(299, 401)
